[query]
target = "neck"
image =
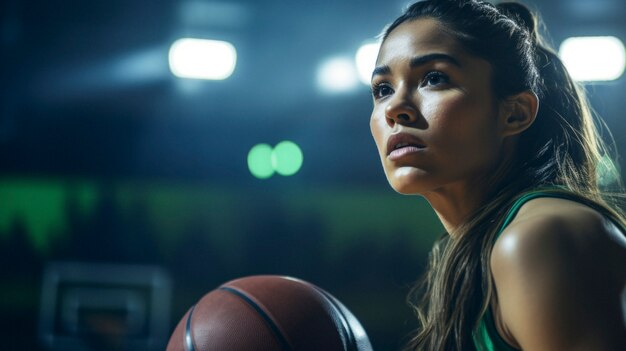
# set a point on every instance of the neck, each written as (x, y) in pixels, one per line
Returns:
(454, 203)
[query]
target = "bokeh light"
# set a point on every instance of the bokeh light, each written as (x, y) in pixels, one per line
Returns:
(202, 59)
(593, 58)
(336, 75)
(287, 158)
(607, 172)
(260, 161)
(366, 61)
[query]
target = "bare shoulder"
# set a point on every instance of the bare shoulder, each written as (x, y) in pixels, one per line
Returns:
(559, 269)
(557, 226)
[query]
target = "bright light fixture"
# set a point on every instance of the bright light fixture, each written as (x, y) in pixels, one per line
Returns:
(337, 75)
(366, 61)
(593, 58)
(202, 59)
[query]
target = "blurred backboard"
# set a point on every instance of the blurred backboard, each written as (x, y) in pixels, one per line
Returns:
(87, 306)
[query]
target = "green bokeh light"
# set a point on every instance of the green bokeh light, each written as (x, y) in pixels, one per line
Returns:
(287, 158)
(260, 161)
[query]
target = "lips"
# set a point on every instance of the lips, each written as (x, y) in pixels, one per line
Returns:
(406, 141)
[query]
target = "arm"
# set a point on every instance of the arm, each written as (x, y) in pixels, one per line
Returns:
(557, 285)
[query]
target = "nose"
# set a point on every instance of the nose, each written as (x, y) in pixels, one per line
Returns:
(401, 110)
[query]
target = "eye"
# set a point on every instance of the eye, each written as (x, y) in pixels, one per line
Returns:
(435, 78)
(380, 90)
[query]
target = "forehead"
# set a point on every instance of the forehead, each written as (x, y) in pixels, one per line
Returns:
(417, 37)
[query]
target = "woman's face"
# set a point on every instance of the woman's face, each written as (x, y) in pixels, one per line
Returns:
(435, 117)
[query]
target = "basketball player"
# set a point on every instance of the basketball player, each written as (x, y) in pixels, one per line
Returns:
(476, 114)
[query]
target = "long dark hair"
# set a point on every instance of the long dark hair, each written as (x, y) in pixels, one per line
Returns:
(562, 149)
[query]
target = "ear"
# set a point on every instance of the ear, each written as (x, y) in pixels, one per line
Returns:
(518, 112)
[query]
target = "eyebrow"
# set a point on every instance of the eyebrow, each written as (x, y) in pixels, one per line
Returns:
(419, 61)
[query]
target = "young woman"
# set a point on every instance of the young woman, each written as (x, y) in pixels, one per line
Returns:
(475, 114)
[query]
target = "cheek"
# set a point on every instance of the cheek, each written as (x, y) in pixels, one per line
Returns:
(467, 131)
(376, 128)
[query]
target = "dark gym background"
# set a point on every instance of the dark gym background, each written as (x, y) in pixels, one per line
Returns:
(122, 185)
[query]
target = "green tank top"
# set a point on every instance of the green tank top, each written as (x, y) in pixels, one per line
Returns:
(486, 337)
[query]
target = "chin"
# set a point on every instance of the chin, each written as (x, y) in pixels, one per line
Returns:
(407, 189)
(410, 182)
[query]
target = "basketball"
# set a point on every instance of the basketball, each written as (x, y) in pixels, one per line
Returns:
(268, 313)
